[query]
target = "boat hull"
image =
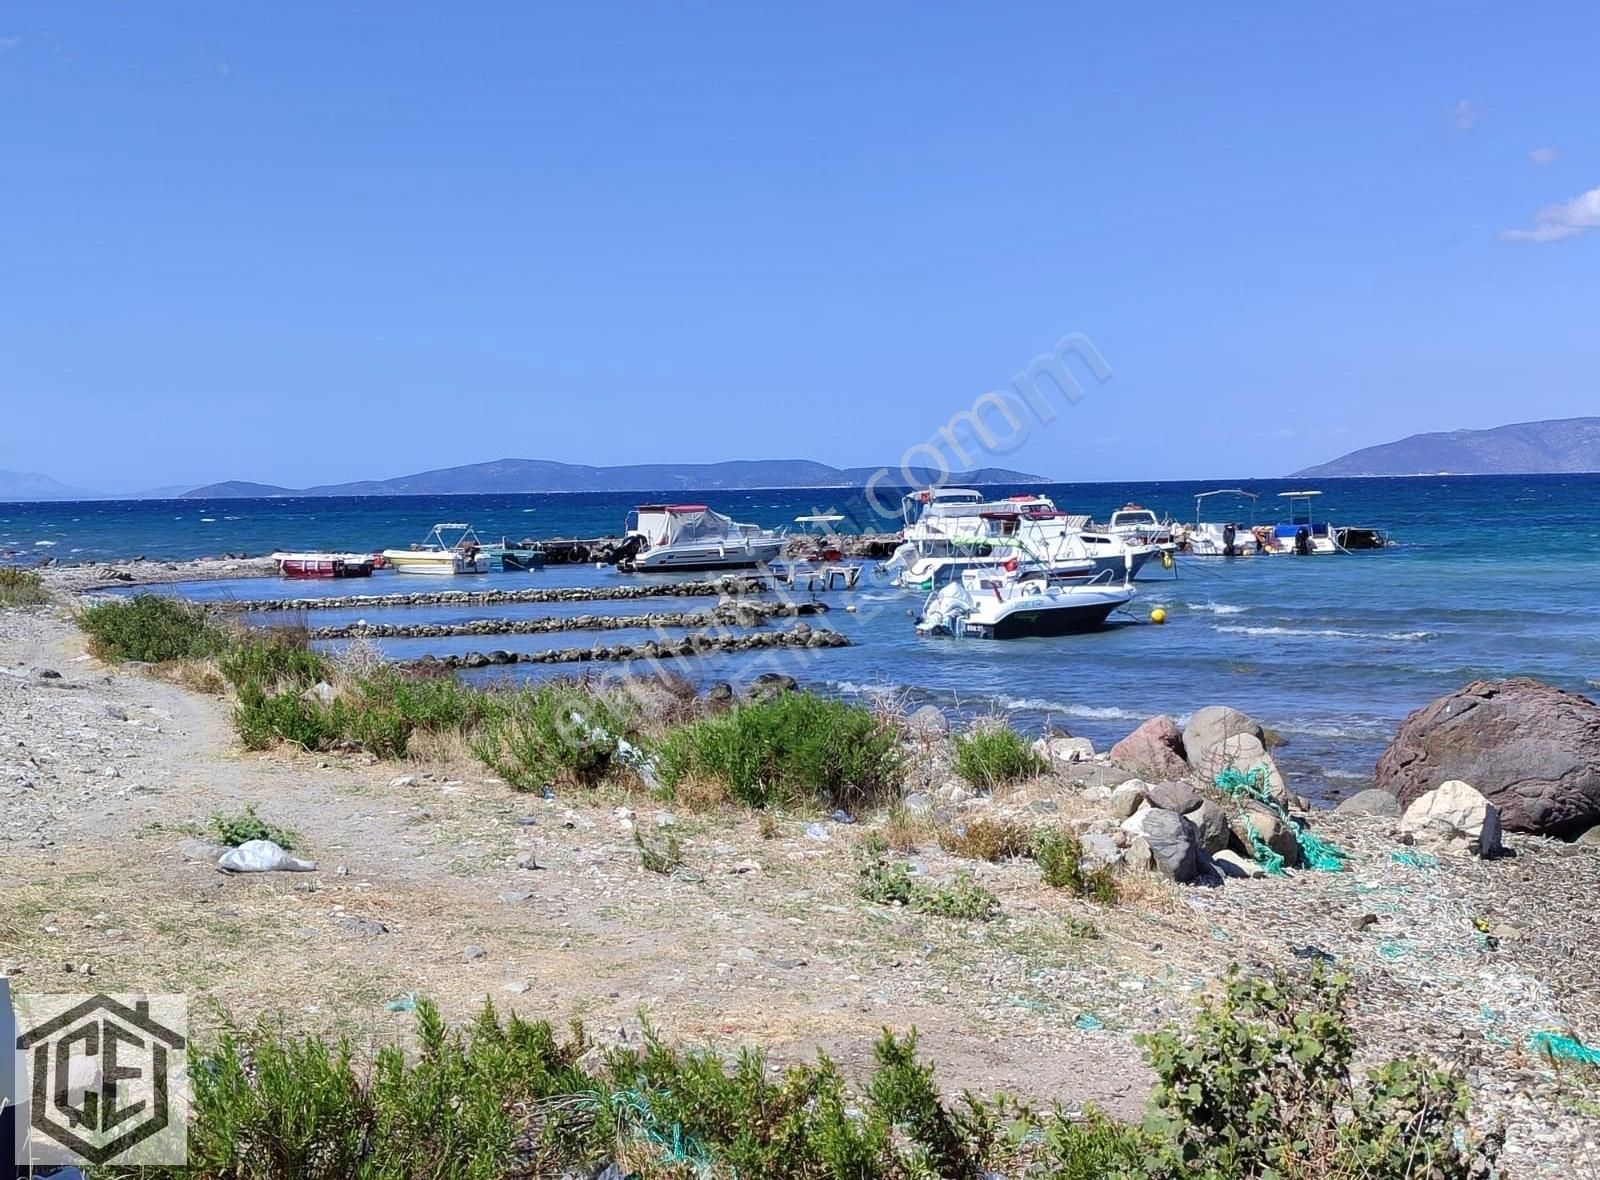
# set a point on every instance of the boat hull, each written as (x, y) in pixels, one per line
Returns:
(331, 568)
(405, 561)
(706, 557)
(530, 560)
(937, 573)
(1044, 622)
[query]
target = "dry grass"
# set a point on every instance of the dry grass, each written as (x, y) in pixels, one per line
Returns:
(990, 840)
(698, 795)
(357, 659)
(907, 833)
(201, 676)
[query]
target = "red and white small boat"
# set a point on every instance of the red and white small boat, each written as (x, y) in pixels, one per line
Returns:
(326, 565)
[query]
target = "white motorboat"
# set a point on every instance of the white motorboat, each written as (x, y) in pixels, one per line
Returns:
(448, 549)
(1135, 522)
(1027, 530)
(1301, 535)
(1001, 603)
(692, 537)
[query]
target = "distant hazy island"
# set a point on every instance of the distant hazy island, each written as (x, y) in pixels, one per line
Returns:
(511, 476)
(1561, 446)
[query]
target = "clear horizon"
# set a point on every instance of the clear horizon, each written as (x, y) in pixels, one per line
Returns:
(301, 246)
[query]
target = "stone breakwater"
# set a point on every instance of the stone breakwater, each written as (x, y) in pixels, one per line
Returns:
(728, 614)
(874, 546)
(698, 644)
(735, 586)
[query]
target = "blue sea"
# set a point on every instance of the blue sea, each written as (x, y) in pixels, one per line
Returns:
(1491, 577)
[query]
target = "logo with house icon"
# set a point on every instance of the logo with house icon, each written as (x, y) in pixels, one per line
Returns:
(106, 1075)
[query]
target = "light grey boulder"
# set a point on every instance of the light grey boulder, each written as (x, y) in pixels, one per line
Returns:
(1231, 864)
(928, 722)
(1173, 843)
(1211, 726)
(1126, 799)
(1455, 814)
(1372, 801)
(1056, 750)
(1211, 822)
(322, 692)
(1173, 796)
(1099, 850)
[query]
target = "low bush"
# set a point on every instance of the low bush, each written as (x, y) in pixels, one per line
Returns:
(663, 854)
(556, 732)
(992, 840)
(790, 750)
(887, 881)
(153, 628)
(1259, 1086)
(263, 718)
(1060, 857)
(991, 756)
(21, 587)
(273, 657)
(240, 828)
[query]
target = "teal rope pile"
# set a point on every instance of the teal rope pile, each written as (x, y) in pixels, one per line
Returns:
(1562, 1048)
(632, 1109)
(1252, 785)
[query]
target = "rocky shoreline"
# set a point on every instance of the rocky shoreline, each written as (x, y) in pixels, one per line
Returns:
(699, 643)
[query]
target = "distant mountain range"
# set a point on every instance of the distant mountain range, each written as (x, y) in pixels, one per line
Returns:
(1560, 446)
(508, 476)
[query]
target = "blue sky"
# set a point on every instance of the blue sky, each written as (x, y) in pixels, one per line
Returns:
(306, 242)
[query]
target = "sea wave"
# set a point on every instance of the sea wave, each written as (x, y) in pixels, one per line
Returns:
(1091, 712)
(45, 543)
(1216, 608)
(1326, 633)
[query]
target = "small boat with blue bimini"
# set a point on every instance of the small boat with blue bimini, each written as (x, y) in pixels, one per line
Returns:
(1303, 534)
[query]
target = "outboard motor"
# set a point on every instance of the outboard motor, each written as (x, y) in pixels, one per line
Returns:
(1229, 534)
(1302, 541)
(627, 551)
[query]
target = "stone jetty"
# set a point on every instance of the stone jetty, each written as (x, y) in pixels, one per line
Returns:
(727, 585)
(737, 613)
(697, 644)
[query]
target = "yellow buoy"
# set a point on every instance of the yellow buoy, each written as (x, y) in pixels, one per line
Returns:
(1158, 616)
(1166, 560)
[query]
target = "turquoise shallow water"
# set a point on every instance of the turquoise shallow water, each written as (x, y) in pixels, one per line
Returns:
(1492, 577)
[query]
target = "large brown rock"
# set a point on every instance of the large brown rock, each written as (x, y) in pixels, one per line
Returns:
(1532, 750)
(1155, 750)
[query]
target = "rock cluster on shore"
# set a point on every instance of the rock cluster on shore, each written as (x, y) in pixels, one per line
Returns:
(732, 585)
(1531, 749)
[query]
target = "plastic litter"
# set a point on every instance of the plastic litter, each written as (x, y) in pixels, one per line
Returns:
(263, 856)
(1559, 1047)
(1414, 859)
(406, 1003)
(1088, 1022)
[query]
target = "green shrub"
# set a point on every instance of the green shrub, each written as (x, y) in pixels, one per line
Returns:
(21, 587)
(991, 756)
(663, 855)
(274, 657)
(1259, 1087)
(153, 628)
(1060, 857)
(887, 881)
(1262, 1081)
(262, 718)
(237, 829)
(792, 749)
(556, 732)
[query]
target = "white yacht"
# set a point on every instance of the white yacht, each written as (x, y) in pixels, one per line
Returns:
(692, 537)
(967, 534)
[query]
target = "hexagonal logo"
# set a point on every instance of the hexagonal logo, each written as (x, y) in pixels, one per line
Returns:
(102, 1079)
